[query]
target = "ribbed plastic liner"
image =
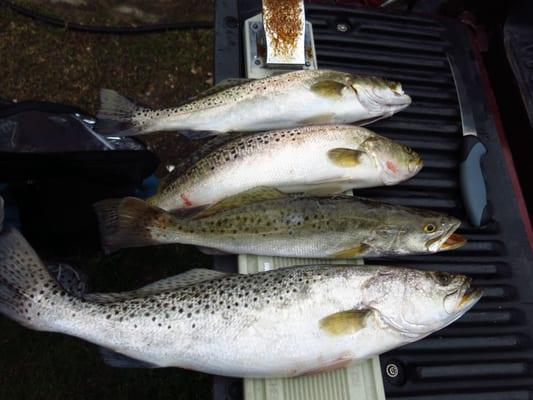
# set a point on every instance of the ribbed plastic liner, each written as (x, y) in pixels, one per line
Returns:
(487, 354)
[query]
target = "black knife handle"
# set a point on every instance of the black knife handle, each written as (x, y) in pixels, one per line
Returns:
(472, 181)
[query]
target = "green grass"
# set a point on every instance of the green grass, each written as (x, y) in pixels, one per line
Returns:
(44, 63)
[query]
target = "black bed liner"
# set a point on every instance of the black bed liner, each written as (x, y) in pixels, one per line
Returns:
(487, 354)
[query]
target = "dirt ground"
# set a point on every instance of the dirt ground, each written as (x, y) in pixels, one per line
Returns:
(124, 13)
(40, 62)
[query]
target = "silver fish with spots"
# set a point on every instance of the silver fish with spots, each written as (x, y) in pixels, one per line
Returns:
(318, 160)
(264, 221)
(285, 322)
(306, 97)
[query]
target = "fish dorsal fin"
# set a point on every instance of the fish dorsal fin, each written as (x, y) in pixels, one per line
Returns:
(345, 322)
(219, 87)
(330, 88)
(254, 195)
(224, 85)
(342, 157)
(187, 278)
(201, 153)
(191, 277)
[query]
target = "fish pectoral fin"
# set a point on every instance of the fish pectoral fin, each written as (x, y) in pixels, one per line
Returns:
(260, 193)
(164, 285)
(318, 120)
(328, 88)
(352, 252)
(117, 360)
(345, 322)
(345, 157)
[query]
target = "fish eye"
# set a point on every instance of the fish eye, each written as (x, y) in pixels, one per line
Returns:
(430, 228)
(442, 278)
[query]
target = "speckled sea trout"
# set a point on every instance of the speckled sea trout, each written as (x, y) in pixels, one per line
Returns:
(285, 322)
(318, 160)
(306, 97)
(265, 221)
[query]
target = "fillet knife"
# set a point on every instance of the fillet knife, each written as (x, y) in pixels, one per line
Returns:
(471, 179)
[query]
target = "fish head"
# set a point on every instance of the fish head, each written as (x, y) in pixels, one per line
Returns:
(417, 303)
(395, 161)
(378, 96)
(424, 231)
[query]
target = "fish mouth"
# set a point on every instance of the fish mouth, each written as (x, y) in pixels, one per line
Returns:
(470, 297)
(415, 165)
(399, 101)
(454, 241)
(462, 300)
(449, 241)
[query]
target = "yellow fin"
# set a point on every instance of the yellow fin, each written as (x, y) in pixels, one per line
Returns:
(344, 322)
(328, 88)
(318, 120)
(352, 251)
(260, 193)
(345, 157)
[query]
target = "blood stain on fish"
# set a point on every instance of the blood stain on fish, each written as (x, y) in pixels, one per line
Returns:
(186, 200)
(392, 167)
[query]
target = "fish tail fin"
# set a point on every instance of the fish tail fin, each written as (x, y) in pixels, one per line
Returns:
(28, 293)
(117, 116)
(130, 222)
